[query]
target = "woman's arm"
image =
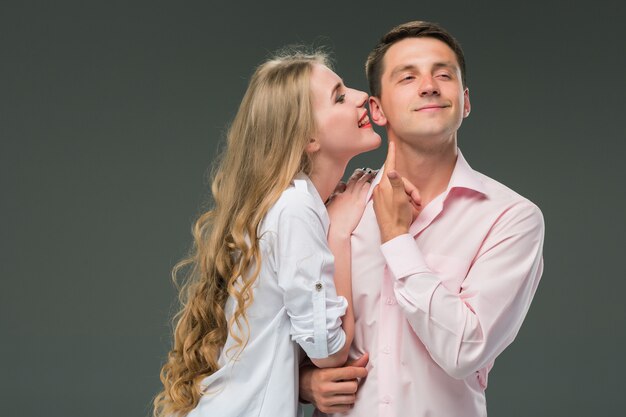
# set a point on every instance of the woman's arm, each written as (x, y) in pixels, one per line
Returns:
(345, 211)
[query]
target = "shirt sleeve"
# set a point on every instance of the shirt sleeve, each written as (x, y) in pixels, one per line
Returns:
(465, 331)
(305, 274)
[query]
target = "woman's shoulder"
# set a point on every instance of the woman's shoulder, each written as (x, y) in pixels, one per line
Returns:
(295, 200)
(299, 200)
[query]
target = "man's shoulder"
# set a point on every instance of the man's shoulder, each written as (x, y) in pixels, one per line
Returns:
(508, 199)
(498, 191)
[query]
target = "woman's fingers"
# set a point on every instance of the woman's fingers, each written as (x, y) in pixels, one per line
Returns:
(340, 188)
(367, 176)
(360, 179)
(356, 175)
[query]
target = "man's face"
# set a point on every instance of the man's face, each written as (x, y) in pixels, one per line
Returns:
(423, 100)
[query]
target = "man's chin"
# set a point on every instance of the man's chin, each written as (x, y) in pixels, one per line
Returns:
(429, 140)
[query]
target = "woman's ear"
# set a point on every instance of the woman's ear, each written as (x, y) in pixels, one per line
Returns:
(313, 146)
(376, 112)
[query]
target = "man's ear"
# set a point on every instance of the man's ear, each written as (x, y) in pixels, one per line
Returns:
(466, 103)
(376, 112)
(313, 146)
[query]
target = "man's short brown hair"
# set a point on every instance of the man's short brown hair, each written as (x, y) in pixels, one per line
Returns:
(416, 29)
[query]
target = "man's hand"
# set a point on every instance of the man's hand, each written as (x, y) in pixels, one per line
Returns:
(396, 200)
(332, 390)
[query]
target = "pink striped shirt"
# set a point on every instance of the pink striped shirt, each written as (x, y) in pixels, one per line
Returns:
(435, 307)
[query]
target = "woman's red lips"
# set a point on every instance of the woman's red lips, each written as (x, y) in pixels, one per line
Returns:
(364, 121)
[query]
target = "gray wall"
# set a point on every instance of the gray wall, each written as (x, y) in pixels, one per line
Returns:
(110, 116)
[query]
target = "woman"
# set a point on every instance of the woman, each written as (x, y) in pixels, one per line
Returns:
(261, 273)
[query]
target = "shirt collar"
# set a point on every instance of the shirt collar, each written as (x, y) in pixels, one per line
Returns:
(463, 176)
(312, 190)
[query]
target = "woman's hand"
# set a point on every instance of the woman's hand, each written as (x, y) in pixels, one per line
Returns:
(396, 200)
(347, 203)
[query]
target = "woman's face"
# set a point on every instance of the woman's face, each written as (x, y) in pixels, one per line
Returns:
(343, 128)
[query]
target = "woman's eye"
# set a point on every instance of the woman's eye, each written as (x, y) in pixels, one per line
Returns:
(340, 98)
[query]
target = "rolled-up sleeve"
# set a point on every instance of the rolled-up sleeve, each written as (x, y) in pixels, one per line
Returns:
(305, 274)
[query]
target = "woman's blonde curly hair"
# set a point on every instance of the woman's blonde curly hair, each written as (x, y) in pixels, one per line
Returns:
(265, 150)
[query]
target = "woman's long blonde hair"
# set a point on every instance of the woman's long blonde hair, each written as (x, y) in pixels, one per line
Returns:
(265, 150)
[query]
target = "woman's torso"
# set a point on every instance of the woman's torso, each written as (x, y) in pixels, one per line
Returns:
(263, 379)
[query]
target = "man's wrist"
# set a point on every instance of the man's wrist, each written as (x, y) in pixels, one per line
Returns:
(387, 234)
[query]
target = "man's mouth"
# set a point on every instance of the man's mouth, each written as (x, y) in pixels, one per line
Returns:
(432, 107)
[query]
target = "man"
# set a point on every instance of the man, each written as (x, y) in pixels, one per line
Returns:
(438, 295)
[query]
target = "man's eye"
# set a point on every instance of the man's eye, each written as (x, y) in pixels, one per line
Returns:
(445, 76)
(407, 78)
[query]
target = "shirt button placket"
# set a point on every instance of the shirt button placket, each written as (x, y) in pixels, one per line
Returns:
(387, 302)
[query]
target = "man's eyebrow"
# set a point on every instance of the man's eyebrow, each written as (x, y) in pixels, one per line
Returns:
(401, 69)
(445, 64)
(411, 67)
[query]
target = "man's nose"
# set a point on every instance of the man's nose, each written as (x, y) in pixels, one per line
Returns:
(428, 87)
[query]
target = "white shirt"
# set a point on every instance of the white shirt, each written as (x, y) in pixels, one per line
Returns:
(294, 301)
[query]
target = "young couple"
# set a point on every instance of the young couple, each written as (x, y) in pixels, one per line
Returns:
(419, 276)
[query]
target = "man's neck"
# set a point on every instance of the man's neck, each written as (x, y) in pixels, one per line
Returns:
(429, 169)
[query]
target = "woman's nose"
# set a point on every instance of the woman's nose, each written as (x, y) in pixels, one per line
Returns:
(361, 98)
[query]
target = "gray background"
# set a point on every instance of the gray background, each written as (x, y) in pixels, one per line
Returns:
(111, 113)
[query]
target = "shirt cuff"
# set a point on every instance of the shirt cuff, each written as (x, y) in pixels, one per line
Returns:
(404, 257)
(328, 336)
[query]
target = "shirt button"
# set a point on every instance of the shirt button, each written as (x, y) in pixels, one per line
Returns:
(386, 399)
(318, 286)
(387, 350)
(390, 300)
